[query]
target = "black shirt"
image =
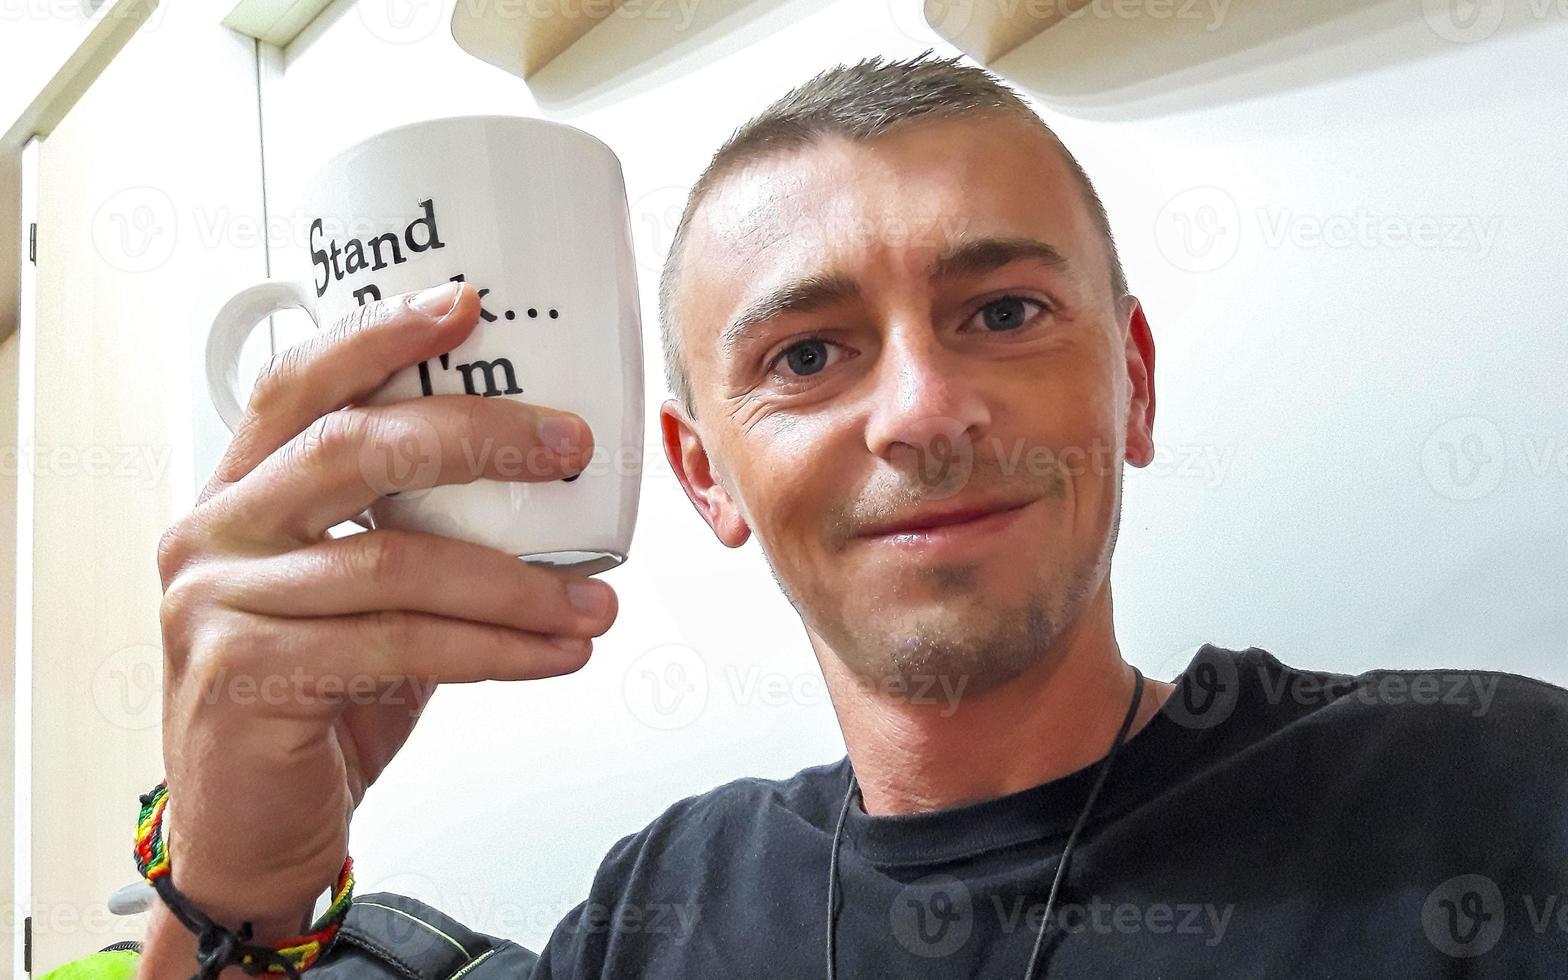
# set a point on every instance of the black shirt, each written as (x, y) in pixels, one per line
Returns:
(1269, 821)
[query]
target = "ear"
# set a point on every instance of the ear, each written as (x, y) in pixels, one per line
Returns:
(683, 448)
(1140, 373)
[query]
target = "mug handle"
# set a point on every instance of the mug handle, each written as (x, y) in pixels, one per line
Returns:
(234, 322)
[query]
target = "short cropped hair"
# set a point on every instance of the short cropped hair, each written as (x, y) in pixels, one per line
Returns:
(858, 102)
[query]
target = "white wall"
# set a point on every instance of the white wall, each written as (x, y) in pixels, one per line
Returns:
(138, 189)
(1319, 377)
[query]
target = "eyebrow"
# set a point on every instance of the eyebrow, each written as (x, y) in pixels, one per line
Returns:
(818, 290)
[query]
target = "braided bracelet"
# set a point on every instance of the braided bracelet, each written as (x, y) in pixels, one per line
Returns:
(218, 947)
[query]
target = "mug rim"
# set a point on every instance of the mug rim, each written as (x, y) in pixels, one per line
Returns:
(442, 121)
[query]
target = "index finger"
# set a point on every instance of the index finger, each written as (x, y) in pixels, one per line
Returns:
(341, 364)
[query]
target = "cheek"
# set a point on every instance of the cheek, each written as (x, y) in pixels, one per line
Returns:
(797, 475)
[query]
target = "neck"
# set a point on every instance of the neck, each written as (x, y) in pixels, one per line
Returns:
(912, 755)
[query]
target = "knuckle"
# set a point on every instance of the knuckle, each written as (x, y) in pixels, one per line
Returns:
(231, 649)
(180, 600)
(385, 558)
(325, 438)
(174, 552)
(279, 374)
(359, 319)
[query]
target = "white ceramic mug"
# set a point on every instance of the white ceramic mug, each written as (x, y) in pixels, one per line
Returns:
(534, 214)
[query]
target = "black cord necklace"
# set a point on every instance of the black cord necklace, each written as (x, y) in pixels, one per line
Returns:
(1061, 866)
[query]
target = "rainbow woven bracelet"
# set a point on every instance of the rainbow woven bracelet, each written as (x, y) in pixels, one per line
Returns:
(152, 860)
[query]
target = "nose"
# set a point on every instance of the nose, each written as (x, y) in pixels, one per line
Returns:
(928, 410)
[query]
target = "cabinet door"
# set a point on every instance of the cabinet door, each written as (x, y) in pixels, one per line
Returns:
(149, 211)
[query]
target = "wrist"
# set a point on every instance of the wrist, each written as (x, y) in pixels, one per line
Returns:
(224, 933)
(276, 903)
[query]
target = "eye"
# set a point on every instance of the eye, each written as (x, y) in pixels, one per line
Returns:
(1007, 313)
(804, 357)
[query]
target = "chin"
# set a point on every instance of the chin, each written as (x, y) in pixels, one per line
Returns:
(981, 647)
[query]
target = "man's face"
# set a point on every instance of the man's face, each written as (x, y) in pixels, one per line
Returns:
(930, 327)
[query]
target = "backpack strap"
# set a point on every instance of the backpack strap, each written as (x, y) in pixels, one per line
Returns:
(385, 936)
(389, 935)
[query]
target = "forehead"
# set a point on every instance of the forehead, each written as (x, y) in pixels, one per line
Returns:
(888, 205)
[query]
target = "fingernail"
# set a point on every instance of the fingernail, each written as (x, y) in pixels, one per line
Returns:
(590, 596)
(570, 644)
(437, 301)
(561, 433)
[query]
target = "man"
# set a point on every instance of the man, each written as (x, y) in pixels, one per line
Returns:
(905, 357)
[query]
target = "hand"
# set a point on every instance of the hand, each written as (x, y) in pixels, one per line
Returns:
(296, 664)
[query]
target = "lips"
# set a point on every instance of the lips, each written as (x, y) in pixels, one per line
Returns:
(934, 517)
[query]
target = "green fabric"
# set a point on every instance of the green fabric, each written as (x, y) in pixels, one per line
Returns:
(118, 965)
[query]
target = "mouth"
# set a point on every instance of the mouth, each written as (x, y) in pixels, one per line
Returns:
(953, 533)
